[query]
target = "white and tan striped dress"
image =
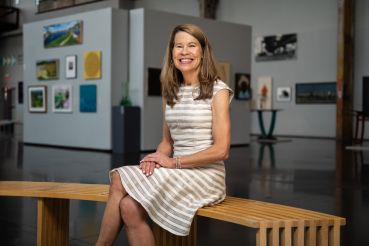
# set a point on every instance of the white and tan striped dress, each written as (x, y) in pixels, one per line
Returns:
(171, 197)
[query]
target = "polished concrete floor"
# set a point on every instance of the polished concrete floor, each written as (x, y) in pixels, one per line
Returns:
(315, 174)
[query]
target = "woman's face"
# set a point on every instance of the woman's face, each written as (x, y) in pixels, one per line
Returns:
(186, 53)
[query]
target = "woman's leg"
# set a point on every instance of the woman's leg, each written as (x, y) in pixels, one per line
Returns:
(135, 221)
(112, 221)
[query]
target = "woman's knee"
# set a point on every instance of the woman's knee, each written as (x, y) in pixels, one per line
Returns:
(131, 211)
(115, 184)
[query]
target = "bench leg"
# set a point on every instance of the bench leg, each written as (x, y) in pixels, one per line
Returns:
(311, 234)
(261, 236)
(52, 222)
(323, 235)
(165, 238)
(334, 234)
(286, 238)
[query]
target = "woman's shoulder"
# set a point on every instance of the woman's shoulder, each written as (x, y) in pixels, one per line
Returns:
(220, 85)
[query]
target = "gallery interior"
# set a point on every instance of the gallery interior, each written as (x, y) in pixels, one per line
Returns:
(74, 109)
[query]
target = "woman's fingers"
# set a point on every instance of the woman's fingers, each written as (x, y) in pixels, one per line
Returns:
(147, 167)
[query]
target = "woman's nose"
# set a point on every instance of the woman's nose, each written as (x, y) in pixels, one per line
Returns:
(184, 50)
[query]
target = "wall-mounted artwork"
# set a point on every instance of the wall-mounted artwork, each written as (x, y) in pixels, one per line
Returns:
(243, 86)
(223, 70)
(71, 67)
(284, 94)
(88, 98)
(154, 85)
(63, 34)
(47, 69)
(62, 98)
(92, 64)
(265, 92)
(276, 47)
(37, 99)
(316, 93)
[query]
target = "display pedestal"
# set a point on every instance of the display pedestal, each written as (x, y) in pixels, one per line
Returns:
(126, 129)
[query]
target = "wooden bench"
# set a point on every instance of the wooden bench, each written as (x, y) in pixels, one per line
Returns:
(275, 224)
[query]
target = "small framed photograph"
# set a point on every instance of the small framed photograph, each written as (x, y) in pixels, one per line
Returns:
(37, 99)
(62, 98)
(284, 94)
(71, 67)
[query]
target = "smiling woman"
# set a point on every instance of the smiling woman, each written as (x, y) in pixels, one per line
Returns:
(187, 170)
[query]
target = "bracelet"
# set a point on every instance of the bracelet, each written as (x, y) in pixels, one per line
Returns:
(178, 162)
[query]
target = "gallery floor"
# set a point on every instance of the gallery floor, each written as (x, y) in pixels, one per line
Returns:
(315, 174)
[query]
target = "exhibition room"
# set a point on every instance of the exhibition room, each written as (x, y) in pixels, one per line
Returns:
(81, 93)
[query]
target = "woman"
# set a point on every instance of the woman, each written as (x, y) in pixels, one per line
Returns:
(187, 171)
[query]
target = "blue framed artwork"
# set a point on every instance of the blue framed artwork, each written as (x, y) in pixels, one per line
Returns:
(88, 98)
(316, 93)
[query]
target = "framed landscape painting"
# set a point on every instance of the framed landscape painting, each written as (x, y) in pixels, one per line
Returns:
(47, 69)
(37, 99)
(316, 93)
(63, 34)
(62, 98)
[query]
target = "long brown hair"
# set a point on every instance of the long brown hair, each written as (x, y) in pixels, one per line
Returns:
(171, 78)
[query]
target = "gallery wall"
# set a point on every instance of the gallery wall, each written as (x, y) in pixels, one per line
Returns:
(315, 23)
(149, 35)
(105, 31)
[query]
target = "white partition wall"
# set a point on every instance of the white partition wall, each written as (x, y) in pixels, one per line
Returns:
(149, 34)
(105, 30)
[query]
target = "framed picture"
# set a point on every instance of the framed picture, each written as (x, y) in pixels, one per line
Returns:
(316, 93)
(265, 92)
(62, 98)
(92, 64)
(284, 94)
(63, 34)
(47, 69)
(37, 99)
(71, 67)
(88, 98)
(276, 47)
(243, 86)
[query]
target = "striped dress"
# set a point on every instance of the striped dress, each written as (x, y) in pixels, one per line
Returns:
(171, 197)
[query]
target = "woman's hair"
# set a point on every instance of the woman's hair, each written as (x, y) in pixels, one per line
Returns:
(171, 78)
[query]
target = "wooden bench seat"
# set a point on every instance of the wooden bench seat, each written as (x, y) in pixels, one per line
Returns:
(275, 224)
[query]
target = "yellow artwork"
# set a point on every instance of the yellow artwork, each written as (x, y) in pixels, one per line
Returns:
(223, 70)
(92, 64)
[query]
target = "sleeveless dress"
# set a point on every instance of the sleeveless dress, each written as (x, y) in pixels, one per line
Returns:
(171, 197)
